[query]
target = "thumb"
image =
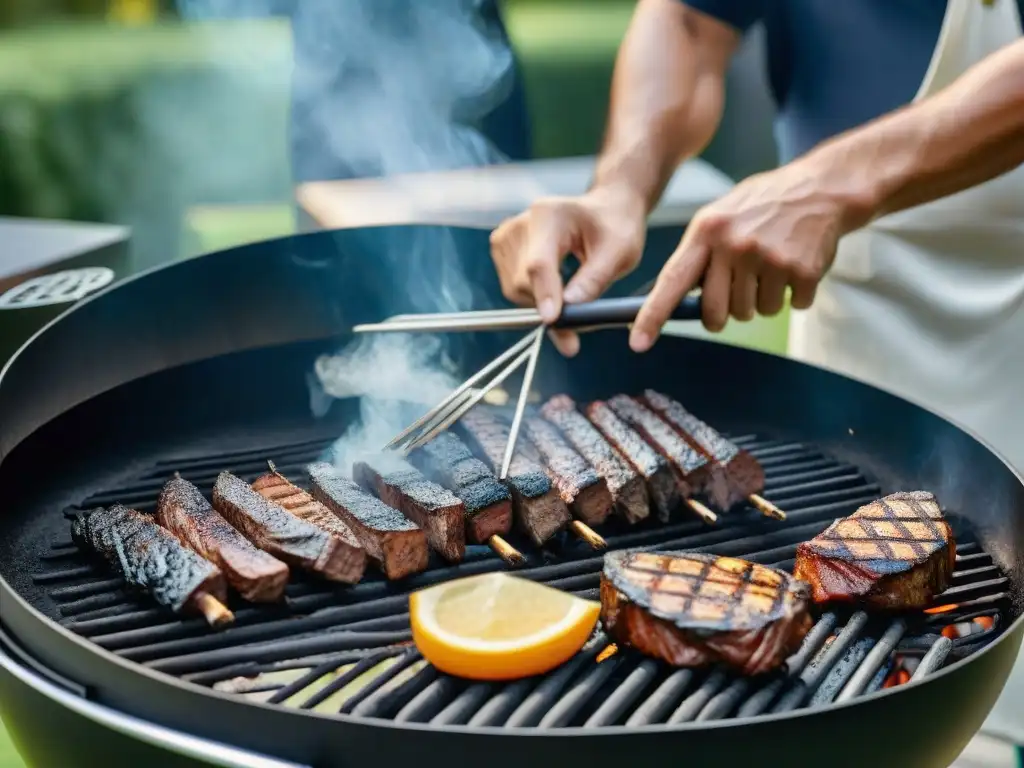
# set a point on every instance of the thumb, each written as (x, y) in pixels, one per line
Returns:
(596, 274)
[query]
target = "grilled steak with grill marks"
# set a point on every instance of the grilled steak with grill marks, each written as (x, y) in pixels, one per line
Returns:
(694, 472)
(149, 557)
(255, 575)
(277, 489)
(894, 553)
(649, 464)
(585, 491)
(433, 508)
(537, 507)
(397, 544)
(692, 609)
(629, 493)
(743, 474)
(447, 460)
(274, 529)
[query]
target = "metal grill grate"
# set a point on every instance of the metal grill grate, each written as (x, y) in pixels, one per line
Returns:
(346, 649)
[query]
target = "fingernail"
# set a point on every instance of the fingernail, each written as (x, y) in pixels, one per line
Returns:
(547, 310)
(640, 341)
(574, 294)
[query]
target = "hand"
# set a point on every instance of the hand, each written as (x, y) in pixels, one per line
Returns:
(772, 230)
(603, 230)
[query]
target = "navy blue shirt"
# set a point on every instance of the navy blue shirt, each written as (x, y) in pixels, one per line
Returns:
(836, 64)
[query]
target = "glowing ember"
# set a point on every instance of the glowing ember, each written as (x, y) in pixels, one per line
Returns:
(942, 608)
(607, 653)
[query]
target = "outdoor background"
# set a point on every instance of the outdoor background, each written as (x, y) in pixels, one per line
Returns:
(109, 107)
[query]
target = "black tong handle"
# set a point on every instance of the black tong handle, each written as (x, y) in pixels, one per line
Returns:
(619, 311)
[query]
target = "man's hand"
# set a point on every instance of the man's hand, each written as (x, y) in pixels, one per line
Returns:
(772, 230)
(603, 230)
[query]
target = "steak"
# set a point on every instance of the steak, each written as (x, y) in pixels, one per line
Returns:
(433, 508)
(693, 610)
(894, 553)
(255, 575)
(397, 544)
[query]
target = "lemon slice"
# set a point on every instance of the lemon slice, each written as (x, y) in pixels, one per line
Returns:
(499, 627)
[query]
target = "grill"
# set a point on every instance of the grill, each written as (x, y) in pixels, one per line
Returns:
(345, 649)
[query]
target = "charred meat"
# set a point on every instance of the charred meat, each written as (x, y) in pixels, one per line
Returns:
(448, 461)
(397, 544)
(277, 489)
(433, 508)
(694, 472)
(254, 574)
(743, 474)
(150, 557)
(628, 490)
(692, 610)
(894, 553)
(274, 529)
(648, 463)
(537, 507)
(581, 487)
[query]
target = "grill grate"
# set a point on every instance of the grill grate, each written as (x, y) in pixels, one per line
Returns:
(346, 649)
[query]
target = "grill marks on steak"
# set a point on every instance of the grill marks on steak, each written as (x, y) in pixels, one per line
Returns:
(447, 460)
(433, 508)
(895, 553)
(537, 506)
(274, 529)
(694, 473)
(149, 557)
(742, 474)
(396, 543)
(692, 610)
(254, 574)
(580, 486)
(648, 463)
(627, 488)
(350, 556)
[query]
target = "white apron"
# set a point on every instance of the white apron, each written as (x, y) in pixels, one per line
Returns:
(929, 302)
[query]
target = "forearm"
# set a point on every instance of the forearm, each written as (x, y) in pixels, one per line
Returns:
(966, 134)
(667, 98)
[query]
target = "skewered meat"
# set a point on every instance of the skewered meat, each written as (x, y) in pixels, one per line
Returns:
(434, 509)
(743, 474)
(894, 553)
(694, 473)
(447, 460)
(396, 543)
(629, 493)
(276, 488)
(585, 491)
(651, 465)
(183, 510)
(153, 559)
(274, 529)
(691, 609)
(538, 509)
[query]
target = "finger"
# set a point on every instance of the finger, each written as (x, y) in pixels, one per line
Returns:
(744, 294)
(803, 292)
(566, 342)
(716, 294)
(771, 292)
(679, 275)
(596, 273)
(547, 244)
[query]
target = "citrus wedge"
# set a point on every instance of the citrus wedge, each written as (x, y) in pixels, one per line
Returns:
(499, 627)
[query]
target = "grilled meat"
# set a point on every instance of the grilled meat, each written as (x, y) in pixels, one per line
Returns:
(694, 472)
(397, 544)
(585, 491)
(629, 493)
(447, 460)
(149, 557)
(274, 529)
(894, 553)
(743, 474)
(651, 465)
(434, 509)
(255, 575)
(537, 507)
(277, 489)
(693, 610)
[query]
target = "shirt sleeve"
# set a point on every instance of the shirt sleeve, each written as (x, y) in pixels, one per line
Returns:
(741, 14)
